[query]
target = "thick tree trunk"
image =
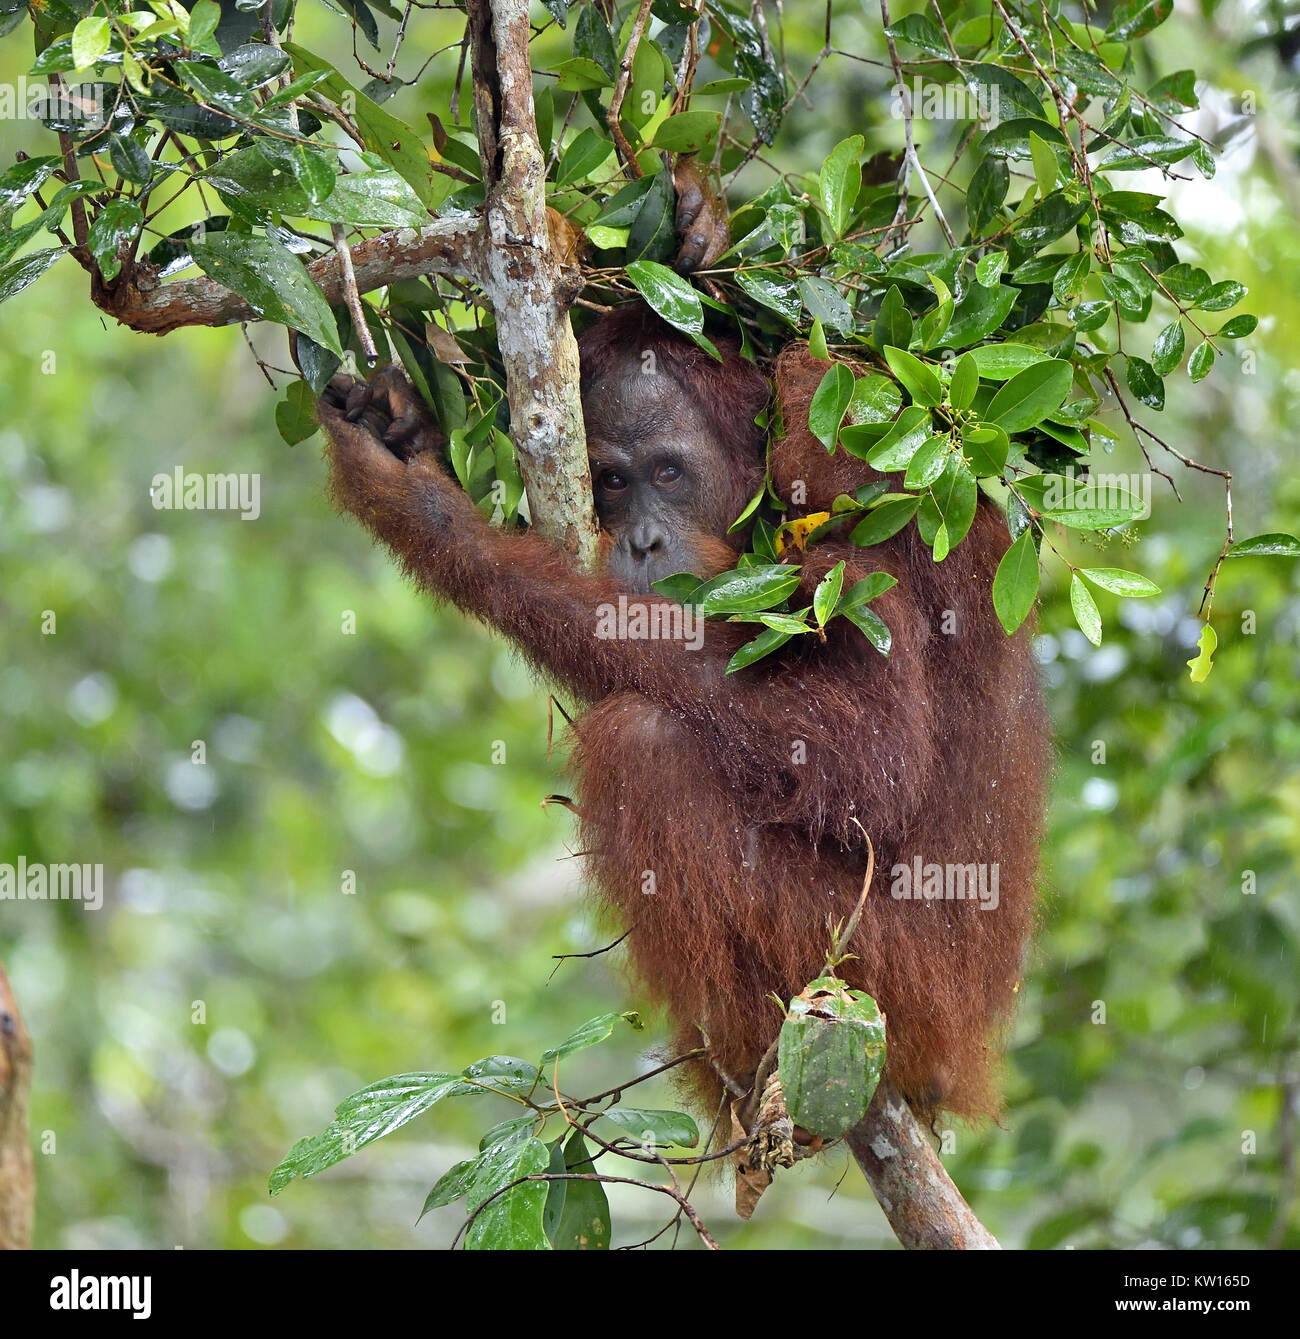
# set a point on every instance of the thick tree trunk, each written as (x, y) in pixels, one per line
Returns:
(528, 283)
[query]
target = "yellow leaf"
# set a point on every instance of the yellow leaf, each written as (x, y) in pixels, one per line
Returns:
(794, 534)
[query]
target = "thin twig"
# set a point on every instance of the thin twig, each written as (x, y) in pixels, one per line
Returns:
(620, 90)
(351, 296)
(912, 158)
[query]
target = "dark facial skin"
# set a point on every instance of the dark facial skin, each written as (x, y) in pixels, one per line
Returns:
(655, 464)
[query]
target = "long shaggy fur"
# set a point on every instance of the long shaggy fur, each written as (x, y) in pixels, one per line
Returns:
(720, 812)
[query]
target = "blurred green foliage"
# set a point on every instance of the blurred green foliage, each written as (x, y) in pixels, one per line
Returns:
(231, 992)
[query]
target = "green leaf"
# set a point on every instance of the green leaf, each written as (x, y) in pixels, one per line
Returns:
(765, 102)
(748, 590)
(827, 594)
(921, 31)
(1094, 518)
(1203, 662)
(989, 268)
(16, 276)
(929, 462)
(1090, 315)
(295, 415)
(1146, 152)
(876, 399)
(872, 627)
(1002, 94)
(1219, 297)
(90, 40)
(921, 382)
(1011, 139)
(979, 313)
(762, 645)
(364, 1117)
(651, 235)
(272, 280)
(864, 591)
(1030, 396)
(988, 188)
(215, 87)
(790, 623)
(934, 324)
(587, 152)
(950, 504)
(1167, 352)
(839, 182)
(1045, 165)
(1238, 326)
(825, 304)
(19, 181)
(773, 291)
(1145, 383)
(1120, 582)
(899, 444)
(290, 179)
(593, 1031)
(511, 1221)
(655, 1127)
(204, 18)
(393, 140)
(1048, 220)
(378, 199)
(580, 74)
(585, 1221)
(682, 586)
(885, 520)
(986, 449)
(1265, 546)
(1136, 18)
(593, 40)
(130, 159)
(1070, 278)
(817, 341)
(1202, 359)
(1086, 613)
(831, 1050)
(1016, 583)
(669, 294)
(893, 322)
(964, 382)
(116, 223)
(829, 403)
(1001, 362)
(688, 132)
(450, 1186)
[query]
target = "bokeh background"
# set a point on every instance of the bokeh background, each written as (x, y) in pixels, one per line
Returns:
(1173, 1123)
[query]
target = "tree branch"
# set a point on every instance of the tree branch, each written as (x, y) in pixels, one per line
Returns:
(446, 246)
(527, 283)
(923, 1206)
(17, 1173)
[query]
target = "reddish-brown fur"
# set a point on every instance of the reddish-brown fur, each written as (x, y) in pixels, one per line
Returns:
(720, 812)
